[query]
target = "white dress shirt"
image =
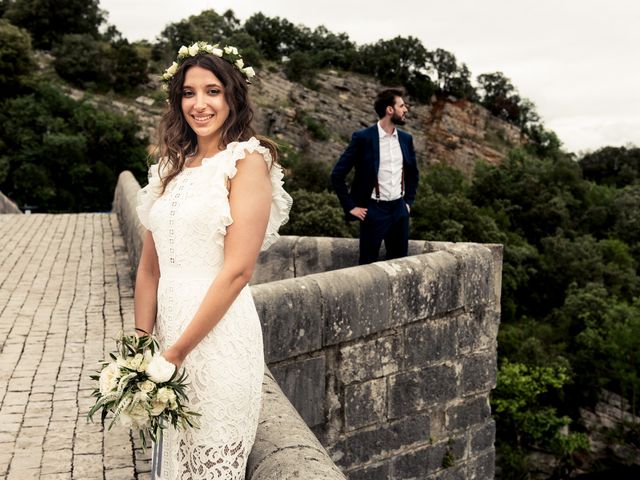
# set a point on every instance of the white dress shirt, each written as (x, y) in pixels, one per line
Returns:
(390, 171)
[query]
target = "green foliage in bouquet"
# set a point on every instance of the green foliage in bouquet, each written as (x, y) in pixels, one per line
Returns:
(141, 389)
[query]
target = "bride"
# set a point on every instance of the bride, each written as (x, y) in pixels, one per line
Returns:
(213, 202)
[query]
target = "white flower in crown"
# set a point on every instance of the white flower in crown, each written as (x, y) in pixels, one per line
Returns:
(229, 53)
(194, 49)
(171, 71)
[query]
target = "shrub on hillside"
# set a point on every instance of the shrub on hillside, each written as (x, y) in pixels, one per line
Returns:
(64, 156)
(16, 58)
(101, 65)
(317, 214)
(49, 21)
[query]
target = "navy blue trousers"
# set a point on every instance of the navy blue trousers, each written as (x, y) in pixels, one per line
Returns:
(388, 221)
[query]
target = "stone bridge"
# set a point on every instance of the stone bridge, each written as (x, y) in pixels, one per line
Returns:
(389, 365)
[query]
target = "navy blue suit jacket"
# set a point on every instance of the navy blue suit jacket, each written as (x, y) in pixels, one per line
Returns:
(363, 154)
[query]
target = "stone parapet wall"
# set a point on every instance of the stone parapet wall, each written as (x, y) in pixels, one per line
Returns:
(284, 447)
(7, 205)
(391, 364)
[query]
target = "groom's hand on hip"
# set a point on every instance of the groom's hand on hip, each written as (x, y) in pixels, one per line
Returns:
(358, 212)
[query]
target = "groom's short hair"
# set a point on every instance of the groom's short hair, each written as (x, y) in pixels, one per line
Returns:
(386, 98)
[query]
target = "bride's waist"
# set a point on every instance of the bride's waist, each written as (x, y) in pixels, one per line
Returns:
(191, 272)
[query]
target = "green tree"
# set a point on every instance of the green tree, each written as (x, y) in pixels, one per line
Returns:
(502, 99)
(274, 35)
(300, 69)
(451, 79)
(524, 419)
(16, 58)
(48, 23)
(614, 166)
(127, 67)
(393, 61)
(63, 155)
(208, 26)
(102, 65)
(88, 70)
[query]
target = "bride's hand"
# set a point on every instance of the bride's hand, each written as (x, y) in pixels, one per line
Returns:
(171, 355)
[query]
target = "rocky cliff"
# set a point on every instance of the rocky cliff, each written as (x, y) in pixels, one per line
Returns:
(451, 131)
(318, 123)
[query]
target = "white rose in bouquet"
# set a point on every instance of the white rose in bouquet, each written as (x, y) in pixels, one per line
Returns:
(147, 386)
(157, 407)
(109, 378)
(135, 417)
(160, 370)
(166, 396)
(135, 362)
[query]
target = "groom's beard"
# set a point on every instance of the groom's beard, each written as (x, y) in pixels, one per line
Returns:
(397, 119)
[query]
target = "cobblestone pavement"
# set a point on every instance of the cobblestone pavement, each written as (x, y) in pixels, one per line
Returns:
(65, 293)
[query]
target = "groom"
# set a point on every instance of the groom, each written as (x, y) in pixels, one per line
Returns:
(385, 181)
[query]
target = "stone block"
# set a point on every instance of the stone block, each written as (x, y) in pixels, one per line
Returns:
(355, 302)
(482, 467)
(479, 272)
(303, 383)
(417, 390)
(446, 458)
(370, 359)
(418, 463)
(478, 329)
(423, 286)
(324, 254)
(473, 412)
(429, 341)
(291, 316)
(370, 472)
(365, 403)
(276, 263)
(484, 438)
(451, 473)
(479, 372)
(377, 444)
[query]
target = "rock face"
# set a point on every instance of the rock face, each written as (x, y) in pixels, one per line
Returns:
(450, 131)
(607, 423)
(459, 133)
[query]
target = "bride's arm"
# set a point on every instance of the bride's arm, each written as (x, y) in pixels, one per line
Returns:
(250, 203)
(147, 277)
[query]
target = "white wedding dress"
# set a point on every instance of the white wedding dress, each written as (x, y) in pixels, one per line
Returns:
(188, 223)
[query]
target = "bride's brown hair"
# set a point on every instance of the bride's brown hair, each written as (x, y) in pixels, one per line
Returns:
(178, 140)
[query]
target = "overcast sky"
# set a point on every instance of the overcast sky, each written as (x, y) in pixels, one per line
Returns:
(577, 60)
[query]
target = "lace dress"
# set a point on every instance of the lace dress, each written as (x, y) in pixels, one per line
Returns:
(188, 223)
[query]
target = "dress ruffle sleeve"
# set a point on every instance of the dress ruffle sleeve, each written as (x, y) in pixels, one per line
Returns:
(148, 195)
(281, 201)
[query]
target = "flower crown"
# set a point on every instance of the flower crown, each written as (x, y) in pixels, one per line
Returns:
(230, 54)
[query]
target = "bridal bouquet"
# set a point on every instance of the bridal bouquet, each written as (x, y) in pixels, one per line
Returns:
(141, 389)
